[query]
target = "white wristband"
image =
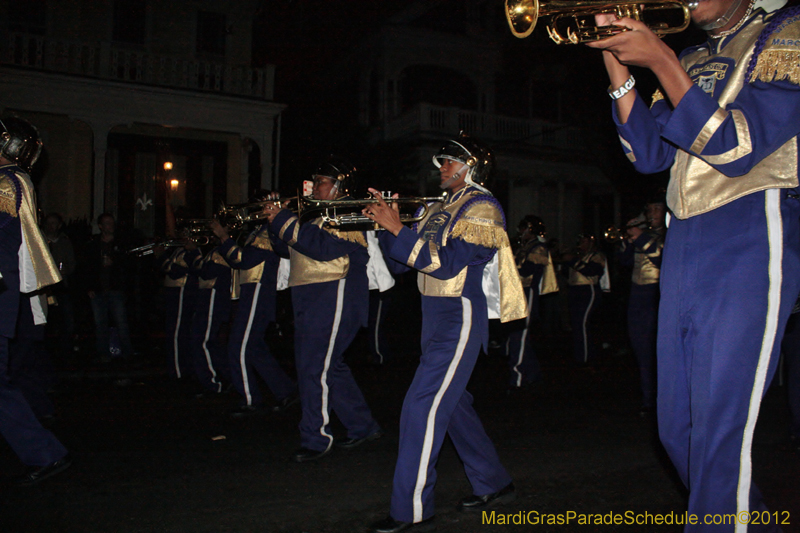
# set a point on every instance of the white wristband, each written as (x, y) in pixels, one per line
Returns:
(623, 89)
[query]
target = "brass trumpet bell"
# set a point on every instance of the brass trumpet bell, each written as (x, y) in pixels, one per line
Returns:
(573, 22)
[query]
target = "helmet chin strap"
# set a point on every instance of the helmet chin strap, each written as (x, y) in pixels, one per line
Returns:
(724, 19)
(468, 180)
(454, 178)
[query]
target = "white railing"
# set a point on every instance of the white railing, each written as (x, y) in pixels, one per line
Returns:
(430, 119)
(113, 63)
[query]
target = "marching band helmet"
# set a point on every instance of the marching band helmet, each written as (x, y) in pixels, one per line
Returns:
(20, 142)
(342, 172)
(471, 152)
(534, 224)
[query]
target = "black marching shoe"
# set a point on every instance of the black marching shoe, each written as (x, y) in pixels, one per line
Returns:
(35, 474)
(475, 503)
(347, 444)
(390, 525)
(304, 455)
(286, 403)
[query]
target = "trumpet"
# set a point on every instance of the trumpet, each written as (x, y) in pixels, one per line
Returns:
(572, 21)
(613, 234)
(236, 216)
(149, 249)
(347, 213)
(195, 227)
(334, 213)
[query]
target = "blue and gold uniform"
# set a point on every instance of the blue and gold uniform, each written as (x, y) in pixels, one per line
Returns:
(644, 254)
(180, 294)
(247, 348)
(450, 248)
(26, 266)
(585, 296)
(330, 299)
(731, 268)
(532, 258)
(212, 310)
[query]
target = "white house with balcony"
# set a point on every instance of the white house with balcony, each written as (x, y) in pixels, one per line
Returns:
(118, 88)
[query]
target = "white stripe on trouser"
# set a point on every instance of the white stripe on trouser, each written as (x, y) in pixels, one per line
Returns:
(243, 348)
(775, 240)
(521, 353)
(427, 443)
(585, 320)
(323, 381)
(377, 330)
(210, 317)
(177, 334)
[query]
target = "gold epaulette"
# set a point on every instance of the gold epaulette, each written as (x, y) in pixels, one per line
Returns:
(657, 95)
(8, 197)
(482, 224)
(352, 236)
(779, 59)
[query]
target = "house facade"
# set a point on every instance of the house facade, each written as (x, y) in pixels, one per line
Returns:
(118, 88)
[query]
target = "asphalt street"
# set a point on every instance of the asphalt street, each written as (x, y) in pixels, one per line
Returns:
(151, 457)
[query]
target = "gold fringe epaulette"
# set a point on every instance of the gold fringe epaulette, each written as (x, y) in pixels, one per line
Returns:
(657, 95)
(776, 65)
(352, 236)
(490, 236)
(779, 58)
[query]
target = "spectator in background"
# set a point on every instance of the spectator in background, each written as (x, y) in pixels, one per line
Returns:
(105, 275)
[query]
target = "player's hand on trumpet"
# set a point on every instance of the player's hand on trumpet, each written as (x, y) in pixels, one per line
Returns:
(383, 214)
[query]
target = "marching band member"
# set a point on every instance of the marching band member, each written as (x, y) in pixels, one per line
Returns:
(450, 248)
(180, 295)
(533, 260)
(248, 352)
(586, 265)
(330, 300)
(723, 121)
(642, 249)
(26, 266)
(212, 310)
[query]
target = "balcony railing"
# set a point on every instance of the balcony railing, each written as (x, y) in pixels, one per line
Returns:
(429, 119)
(108, 62)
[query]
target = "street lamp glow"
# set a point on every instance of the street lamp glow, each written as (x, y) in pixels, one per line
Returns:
(167, 165)
(173, 184)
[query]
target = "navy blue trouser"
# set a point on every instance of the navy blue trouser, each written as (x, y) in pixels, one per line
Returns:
(437, 403)
(248, 352)
(791, 355)
(323, 330)
(210, 362)
(179, 305)
(522, 362)
(583, 301)
(729, 279)
(33, 444)
(643, 334)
